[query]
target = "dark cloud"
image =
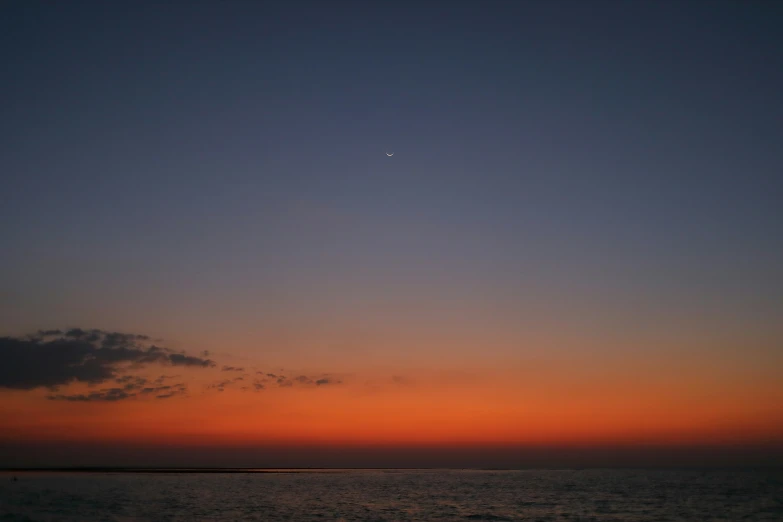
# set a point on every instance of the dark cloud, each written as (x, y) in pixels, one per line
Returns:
(118, 340)
(165, 392)
(45, 333)
(118, 394)
(180, 359)
(302, 380)
(162, 378)
(221, 385)
(131, 382)
(233, 369)
(107, 395)
(53, 358)
(317, 381)
(257, 384)
(155, 389)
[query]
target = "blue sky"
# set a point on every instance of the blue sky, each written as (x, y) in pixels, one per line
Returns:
(616, 160)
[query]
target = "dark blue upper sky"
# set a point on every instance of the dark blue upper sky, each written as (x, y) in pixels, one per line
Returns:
(601, 155)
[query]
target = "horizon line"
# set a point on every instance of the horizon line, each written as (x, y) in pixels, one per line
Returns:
(297, 469)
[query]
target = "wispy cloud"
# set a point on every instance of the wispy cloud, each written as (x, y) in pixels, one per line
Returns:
(58, 359)
(134, 389)
(107, 395)
(263, 380)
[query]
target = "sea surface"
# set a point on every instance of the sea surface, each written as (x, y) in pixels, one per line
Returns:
(544, 495)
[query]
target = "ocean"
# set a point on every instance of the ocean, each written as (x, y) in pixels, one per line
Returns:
(469, 495)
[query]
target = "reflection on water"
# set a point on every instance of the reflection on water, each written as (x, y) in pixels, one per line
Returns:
(619, 495)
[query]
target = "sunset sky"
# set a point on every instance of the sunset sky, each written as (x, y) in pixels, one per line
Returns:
(577, 244)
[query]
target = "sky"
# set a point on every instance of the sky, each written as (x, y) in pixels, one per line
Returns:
(574, 255)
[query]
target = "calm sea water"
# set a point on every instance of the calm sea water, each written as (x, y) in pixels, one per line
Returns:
(625, 495)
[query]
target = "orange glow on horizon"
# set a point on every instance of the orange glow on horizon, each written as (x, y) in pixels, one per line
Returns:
(442, 412)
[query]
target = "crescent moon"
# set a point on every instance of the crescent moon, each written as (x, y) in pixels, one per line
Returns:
(390, 155)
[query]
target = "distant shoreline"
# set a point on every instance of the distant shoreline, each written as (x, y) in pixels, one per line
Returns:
(7, 471)
(227, 470)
